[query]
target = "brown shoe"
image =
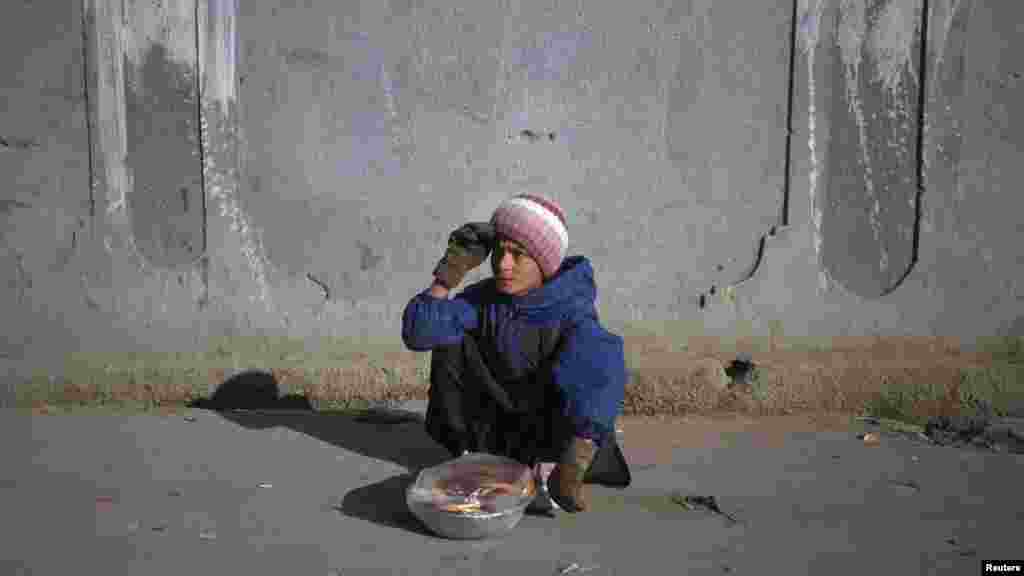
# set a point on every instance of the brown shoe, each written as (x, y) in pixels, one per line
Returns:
(565, 484)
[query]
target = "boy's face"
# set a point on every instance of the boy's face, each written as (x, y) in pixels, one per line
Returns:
(515, 272)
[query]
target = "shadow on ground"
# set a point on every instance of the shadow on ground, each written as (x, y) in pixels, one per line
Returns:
(252, 400)
(384, 503)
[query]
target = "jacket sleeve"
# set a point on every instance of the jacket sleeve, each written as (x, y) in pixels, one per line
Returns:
(429, 322)
(591, 372)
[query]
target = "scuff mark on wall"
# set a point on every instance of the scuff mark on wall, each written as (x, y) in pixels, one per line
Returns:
(551, 54)
(306, 56)
(24, 280)
(8, 206)
(367, 259)
(161, 111)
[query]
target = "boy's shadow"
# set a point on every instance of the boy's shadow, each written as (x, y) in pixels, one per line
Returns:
(252, 400)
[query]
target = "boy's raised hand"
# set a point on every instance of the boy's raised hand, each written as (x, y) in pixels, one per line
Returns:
(468, 247)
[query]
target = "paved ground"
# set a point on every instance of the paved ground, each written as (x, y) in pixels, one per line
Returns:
(291, 494)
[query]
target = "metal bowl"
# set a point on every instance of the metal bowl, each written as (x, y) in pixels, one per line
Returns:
(465, 525)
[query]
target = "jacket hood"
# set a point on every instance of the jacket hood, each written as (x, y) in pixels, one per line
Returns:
(571, 292)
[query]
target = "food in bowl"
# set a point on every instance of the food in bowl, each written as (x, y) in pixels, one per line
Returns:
(481, 498)
(473, 496)
(479, 483)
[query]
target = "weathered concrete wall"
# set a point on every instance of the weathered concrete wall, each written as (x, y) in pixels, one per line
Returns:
(194, 168)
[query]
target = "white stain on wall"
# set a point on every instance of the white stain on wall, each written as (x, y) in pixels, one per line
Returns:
(947, 11)
(810, 12)
(851, 33)
(222, 186)
(110, 106)
(876, 36)
(169, 23)
(218, 45)
(943, 12)
(891, 42)
(887, 40)
(128, 32)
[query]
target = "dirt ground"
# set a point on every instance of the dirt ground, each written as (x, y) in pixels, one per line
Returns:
(665, 378)
(850, 373)
(650, 440)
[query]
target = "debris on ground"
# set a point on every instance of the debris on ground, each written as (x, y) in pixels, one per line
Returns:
(574, 568)
(904, 429)
(956, 429)
(741, 370)
(870, 439)
(708, 503)
(981, 431)
(912, 484)
(964, 551)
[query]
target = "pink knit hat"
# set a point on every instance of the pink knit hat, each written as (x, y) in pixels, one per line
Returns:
(537, 223)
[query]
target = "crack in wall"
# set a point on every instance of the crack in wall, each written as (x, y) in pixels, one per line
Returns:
(322, 285)
(197, 86)
(91, 163)
(784, 213)
(17, 143)
(24, 280)
(783, 217)
(921, 119)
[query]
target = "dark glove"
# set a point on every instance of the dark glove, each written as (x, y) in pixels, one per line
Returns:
(468, 247)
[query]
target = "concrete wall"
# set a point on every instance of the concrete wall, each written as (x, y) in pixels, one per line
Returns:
(183, 169)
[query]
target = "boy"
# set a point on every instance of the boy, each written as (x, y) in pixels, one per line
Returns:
(521, 366)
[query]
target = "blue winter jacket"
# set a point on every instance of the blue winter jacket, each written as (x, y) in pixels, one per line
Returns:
(590, 368)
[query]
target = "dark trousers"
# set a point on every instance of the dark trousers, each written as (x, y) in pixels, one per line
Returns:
(469, 409)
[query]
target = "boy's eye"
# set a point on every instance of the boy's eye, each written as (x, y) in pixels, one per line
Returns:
(517, 254)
